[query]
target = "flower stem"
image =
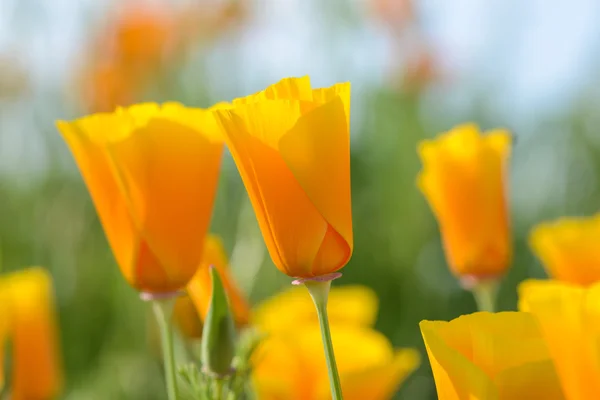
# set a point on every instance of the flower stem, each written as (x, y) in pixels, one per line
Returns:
(163, 308)
(319, 291)
(485, 295)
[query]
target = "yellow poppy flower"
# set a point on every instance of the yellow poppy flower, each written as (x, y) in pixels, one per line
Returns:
(291, 145)
(464, 180)
(490, 357)
(569, 318)
(28, 319)
(152, 173)
(569, 249)
(290, 364)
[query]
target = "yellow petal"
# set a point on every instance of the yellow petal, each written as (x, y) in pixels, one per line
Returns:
(293, 156)
(569, 318)
(152, 172)
(200, 290)
(350, 304)
(380, 382)
(464, 181)
(317, 152)
(99, 175)
(292, 365)
(568, 249)
(473, 356)
(37, 369)
(285, 89)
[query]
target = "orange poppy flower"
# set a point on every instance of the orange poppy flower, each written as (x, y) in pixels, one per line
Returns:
(464, 180)
(291, 145)
(152, 172)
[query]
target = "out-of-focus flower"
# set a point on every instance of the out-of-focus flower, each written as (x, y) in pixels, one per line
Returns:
(464, 179)
(28, 318)
(397, 14)
(104, 86)
(347, 305)
(569, 249)
(291, 145)
(142, 42)
(419, 71)
(569, 318)
(490, 356)
(186, 318)
(152, 172)
(199, 289)
(290, 364)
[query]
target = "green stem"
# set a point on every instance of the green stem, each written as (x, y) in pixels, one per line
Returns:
(319, 291)
(219, 389)
(485, 295)
(163, 309)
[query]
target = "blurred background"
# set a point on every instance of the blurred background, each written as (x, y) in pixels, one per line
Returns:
(416, 68)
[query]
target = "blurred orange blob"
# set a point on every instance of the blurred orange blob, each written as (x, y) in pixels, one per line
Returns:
(569, 249)
(199, 292)
(106, 86)
(464, 179)
(395, 13)
(142, 42)
(142, 35)
(27, 317)
(152, 172)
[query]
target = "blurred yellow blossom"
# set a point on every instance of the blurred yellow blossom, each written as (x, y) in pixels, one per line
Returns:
(291, 144)
(569, 249)
(490, 356)
(152, 172)
(27, 317)
(349, 305)
(290, 364)
(464, 179)
(569, 319)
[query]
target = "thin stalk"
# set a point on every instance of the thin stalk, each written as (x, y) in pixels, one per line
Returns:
(319, 291)
(163, 308)
(485, 295)
(219, 385)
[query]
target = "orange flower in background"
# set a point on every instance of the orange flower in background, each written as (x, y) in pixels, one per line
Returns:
(289, 363)
(142, 34)
(152, 172)
(291, 145)
(200, 287)
(569, 318)
(490, 356)
(186, 318)
(144, 41)
(28, 319)
(464, 179)
(569, 249)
